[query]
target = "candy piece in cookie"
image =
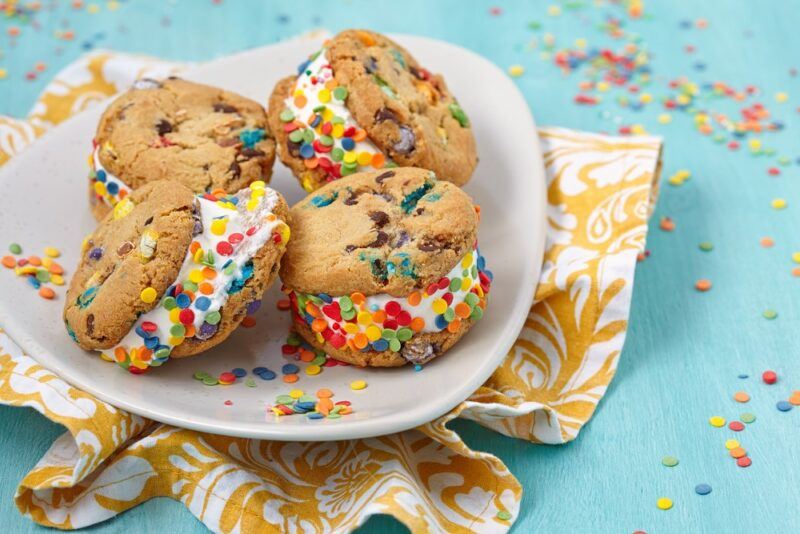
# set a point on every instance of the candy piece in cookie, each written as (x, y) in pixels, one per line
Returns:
(172, 274)
(206, 138)
(383, 268)
(362, 103)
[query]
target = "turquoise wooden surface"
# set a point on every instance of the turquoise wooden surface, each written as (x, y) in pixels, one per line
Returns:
(684, 349)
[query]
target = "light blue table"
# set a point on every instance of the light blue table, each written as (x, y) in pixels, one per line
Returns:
(684, 349)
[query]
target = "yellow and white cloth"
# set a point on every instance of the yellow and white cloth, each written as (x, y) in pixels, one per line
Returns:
(600, 192)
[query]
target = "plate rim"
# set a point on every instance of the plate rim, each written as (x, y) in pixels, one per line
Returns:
(354, 428)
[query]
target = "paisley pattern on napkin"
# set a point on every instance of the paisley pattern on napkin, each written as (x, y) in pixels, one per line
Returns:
(600, 192)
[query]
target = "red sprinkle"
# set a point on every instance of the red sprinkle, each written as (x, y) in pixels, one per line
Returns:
(224, 248)
(736, 426)
(186, 316)
(744, 461)
(769, 377)
(227, 377)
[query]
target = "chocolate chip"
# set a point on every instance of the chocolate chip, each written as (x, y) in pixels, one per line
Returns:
(224, 108)
(124, 249)
(419, 211)
(163, 127)
(252, 153)
(385, 196)
(413, 70)
(385, 114)
(350, 248)
(228, 141)
(407, 142)
(235, 169)
(293, 148)
(383, 176)
(379, 271)
(380, 239)
(90, 324)
(148, 221)
(352, 199)
(429, 246)
(371, 65)
(380, 218)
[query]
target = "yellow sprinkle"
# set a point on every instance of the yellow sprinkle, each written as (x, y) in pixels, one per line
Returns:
(258, 184)
(57, 279)
(313, 370)
(646, 98)
(679, 177)
(554, 10)
(196, 276)
(665, 118)
(350, 157)
(364, 158)
(603, 86)
(3, 73)
(148, 295)
(358, 384)
(123, 207)
(296, 393)
(351, 328)
(754, 144)
(779, 203)
(664, 503)
(638, 129)
(100, 188)
(364, 317)
(731, 444)
(716, 421)
(580, 43)
(781, 97)
(198, 255)
(47, 262)
(516, 71)
(93, 9)
(373, 333)
(439, 306)
(324, 96)
(218, 226)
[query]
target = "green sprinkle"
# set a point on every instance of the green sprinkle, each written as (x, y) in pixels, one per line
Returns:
(404, 334)
(340, 93)
(213, 317)
(388, 334)
(669, 461)
(42, 275)
(308, 136)
(449, 315)
(747, 418)
(394, 345)
(284, 399)
(503, 515)
(348, 314)
(296, 136)
(472, 299)
(200, 375)
(477, 313)
(210, 381)
(249, 382)
(334, 415)
(326, 140)
(459, 115)
(191, 286)
(177, 330)
(455, 284)
(337, 154)
(287, 115)
(770, 314)
(318, 360)
(706, 246)
(345, 303)
(14, 248)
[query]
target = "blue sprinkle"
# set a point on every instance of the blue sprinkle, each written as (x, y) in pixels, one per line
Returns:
(306, 151)
(239, 372)
(183, 301)
(321, 201)
(441, 322)
(302, 66)
(267, 375)
(325, 297)
(315, 415)
(251, 137)
(417, 368)
(259, 370)
(315, 122)
(783, 406)
(142, 334)
(348, 143)
(34, 282)
(233, 200)
(151, 342)
(702, 489)
(489, 275)
(202, 303)
(113, 188)
(306, 405)
(380, 345)
(743, 376)
(309, 318)
(289, 369)
(481, 262)
(101, 176)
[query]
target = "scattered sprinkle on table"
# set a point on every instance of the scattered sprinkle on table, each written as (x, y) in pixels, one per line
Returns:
(779, 203)
(736, 426)
(744, 461)
(664, 503)
(666, 224)
(716, 421)
(741, 396)
(515, 71)
(769, 377)
(706, 246)
(503, 515)
(767, 242)
(702, 489)
(732, 444)
(669, 461)
(297, 402)
(770, 314)
(783, 406)
(747, 417)
(738, 452)
(358, 384)
(702, 285)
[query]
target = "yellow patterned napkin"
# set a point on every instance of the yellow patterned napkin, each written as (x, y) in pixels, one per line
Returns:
(600, 189)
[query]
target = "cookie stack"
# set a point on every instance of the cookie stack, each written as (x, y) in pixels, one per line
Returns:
(383, 266)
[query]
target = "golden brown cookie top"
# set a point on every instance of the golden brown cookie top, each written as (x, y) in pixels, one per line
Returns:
(204, 137)
(390, 231)
(363, 102)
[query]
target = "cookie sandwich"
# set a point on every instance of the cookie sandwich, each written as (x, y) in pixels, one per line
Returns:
(204, 137)
(174, 273)
(362, 103)
(384, 269)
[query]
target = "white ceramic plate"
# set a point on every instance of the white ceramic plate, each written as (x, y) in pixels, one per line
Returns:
(44, 203)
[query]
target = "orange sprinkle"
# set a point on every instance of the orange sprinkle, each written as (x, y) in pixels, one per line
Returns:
(306, 355)
(666, 224)
(145, 354)
(205, 288)
(324, 393)
(190, 332)
(738, 452)
(311, 163)
(290, 379)
(702, 285)
(379, 316)
(453, 326)
(319, 325)
(417, 324)
(360, 340)
(119, 354)
(795, 398)
(360, 135)
(796, 271)
(55, 268)
(46, 292)
(767, 242)
(415, 298)
(357, 298)
(9, 261)
(193, 247)
(366, 38)
(300, 101)
(209, 273)
(378, 160)
(324, 405)
(284, 304)
(249, 321)
(219, 192)
(741, 396)
(462, 310)
(35, 260)
(312, 310)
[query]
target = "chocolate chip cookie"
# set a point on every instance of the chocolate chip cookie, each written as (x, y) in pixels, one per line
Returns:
(170, 274)
(383, 267)
(207, 138)
(364, 103)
